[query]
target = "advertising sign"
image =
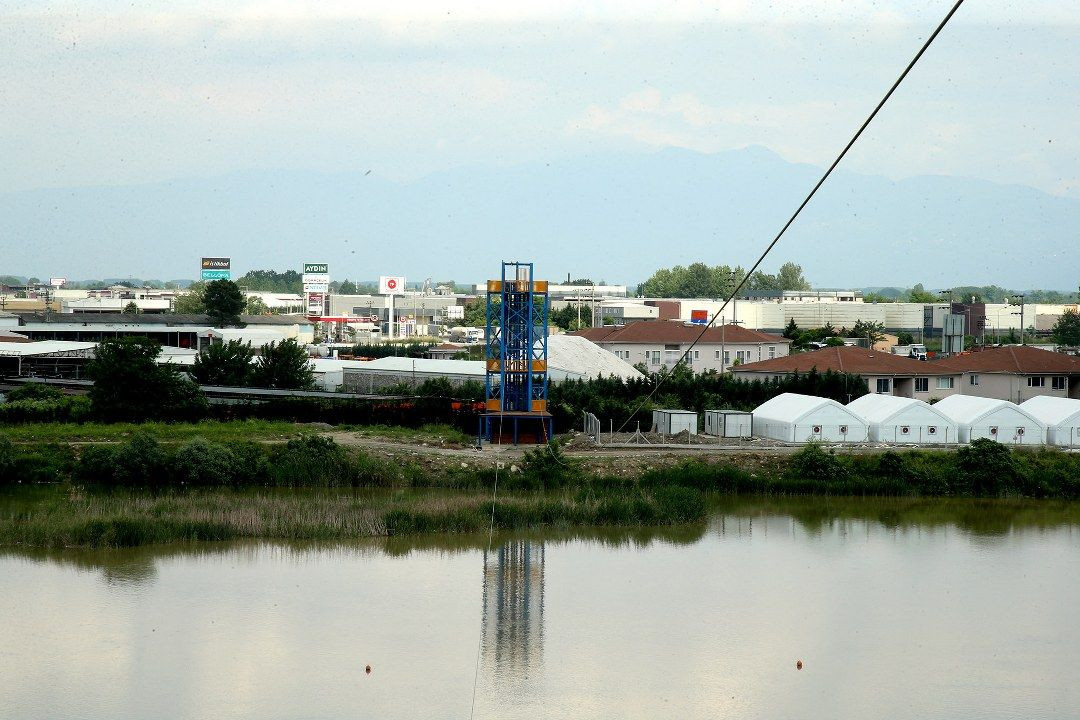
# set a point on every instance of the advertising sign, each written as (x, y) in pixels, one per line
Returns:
(316, 287)
(315, 304)
(699, 317)
(455, 312)
(392, 285)
(57, 282)
(216, 263)
(315, 278)
(317, 268)
(216, 274)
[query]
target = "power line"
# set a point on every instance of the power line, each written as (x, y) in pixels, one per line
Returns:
(806, 200)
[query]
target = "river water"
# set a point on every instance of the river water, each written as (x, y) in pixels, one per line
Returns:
(896, 609)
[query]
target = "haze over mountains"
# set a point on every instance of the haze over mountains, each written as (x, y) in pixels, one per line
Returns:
(616, 218)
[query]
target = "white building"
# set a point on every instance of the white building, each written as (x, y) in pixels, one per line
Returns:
(1061, 416)
(1000, 420)
(896, 419)
(795, 418)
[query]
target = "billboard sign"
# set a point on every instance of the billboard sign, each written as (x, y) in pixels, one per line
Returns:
(216, 263)
(315, 278)
(317, 268)
(455, 312)
(392, 285)
(216, 274)
(57, 282)
(315, 304)
(316, 287)
(699, 317)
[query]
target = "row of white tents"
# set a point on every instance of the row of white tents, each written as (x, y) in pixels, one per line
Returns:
(1042, 420)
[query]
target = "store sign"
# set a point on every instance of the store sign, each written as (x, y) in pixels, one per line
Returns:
(216, 263)
(392, 285)
(316, 287)
(315, 303)
(317, 268)
(216, 274)
(57, 282)
(314, 278)
(699, 317)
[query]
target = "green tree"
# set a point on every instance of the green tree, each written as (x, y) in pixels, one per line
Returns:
(284, 365)
(347, 287)
(289, 281)
(918, 294)
(130, 385)
(873, 331)
(256, 306)
(130, 309)
(1066, 330)
(567, 317)
(191, 302)
(224, 302)
(227, 364)
(905, 338)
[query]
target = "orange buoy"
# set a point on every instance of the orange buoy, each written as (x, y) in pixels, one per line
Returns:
(798, 665)
(367, 668)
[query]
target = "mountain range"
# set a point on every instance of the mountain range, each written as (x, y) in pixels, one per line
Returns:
(613, 218)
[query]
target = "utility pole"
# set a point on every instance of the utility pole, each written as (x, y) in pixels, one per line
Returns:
(1022, 319)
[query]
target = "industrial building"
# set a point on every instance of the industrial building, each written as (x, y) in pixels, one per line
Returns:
(660, 345)
(795, 418)
(895, 419)
(1000, 420)
(1061, 416)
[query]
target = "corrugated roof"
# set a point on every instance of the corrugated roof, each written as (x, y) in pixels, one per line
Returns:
(846, 359)
(46, 347)
(669, 331)
(1018, 359)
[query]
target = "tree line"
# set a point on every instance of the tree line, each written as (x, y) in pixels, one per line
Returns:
(699, 280)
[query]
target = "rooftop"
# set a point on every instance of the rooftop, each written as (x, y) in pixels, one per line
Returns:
(1020, 359)
(168, 319)
(848, 359)
(671, 331)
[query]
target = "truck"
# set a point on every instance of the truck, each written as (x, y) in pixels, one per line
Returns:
(918, 351)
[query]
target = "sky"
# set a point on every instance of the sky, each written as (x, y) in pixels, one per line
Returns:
(118, 93)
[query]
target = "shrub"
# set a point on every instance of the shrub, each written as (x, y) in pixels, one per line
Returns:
(200, 462)
(985, 467)
(141, 462)
(250, 463)
(96, 465)
(813, 463)
(310, 460)
(8, 461)
(35, 391)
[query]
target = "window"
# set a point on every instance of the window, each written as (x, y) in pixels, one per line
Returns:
(944, 383)
(742, 355)
(772, 351)
(1059, 382)
(727, 357)
(922, 384)
(883, 386)
(1038, 381)
(654, 357)
(973, 379)
(716, 354)
(697, 355)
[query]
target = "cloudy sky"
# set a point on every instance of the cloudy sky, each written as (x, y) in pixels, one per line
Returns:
(108, 93)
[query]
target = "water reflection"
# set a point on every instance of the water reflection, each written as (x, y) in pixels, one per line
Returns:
(513, 601)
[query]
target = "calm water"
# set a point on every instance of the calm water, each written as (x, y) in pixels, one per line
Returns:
(897, 611)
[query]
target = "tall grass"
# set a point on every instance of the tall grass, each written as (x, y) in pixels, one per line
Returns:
(234, 430)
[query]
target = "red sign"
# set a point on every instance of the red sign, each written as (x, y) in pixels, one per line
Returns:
(699, 317)
(391, 283)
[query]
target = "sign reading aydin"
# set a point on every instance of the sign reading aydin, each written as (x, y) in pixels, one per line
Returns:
(317, 268)
(392, 285)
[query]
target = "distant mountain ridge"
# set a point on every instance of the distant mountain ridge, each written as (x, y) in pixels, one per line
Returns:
(612, 217)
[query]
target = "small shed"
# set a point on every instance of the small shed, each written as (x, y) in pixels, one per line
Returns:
(729, 423)
(1060, 415)
(673, 422)
(903, 420)
(791, 417)
(1001, 420)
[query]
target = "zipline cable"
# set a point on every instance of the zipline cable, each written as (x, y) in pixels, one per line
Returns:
(803, 204)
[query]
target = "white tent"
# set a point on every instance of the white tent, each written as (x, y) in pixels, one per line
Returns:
(804, 418)
(572, 357)
(1001, 420)
(903, 420)
(1061, 416)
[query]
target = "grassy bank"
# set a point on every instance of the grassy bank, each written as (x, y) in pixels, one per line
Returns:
(235, 430)
(141, 490)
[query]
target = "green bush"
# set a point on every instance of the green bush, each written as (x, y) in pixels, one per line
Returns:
(96, 465)
(8, 462)
(251, 466)
(35, 391)
(311, 460)
(985, 468)
(200, 462)
(814, 463)
(141, 462)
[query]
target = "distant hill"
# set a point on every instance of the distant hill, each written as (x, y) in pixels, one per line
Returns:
(616, 218)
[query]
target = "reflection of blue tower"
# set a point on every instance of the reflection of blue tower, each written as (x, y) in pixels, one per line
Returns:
(515, 354)
(514, 607)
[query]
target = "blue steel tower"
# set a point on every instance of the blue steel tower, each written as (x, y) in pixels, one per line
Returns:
(515, 355)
